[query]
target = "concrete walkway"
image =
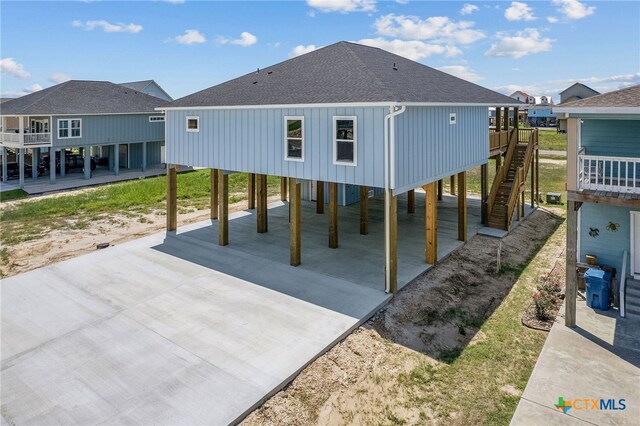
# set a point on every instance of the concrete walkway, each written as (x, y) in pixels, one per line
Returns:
(553, 153)
(179, 330)
(600, 358)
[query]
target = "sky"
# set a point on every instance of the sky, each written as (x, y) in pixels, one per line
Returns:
(540, 47)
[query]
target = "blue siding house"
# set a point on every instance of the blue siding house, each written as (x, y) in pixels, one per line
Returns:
(92, 126)
(341, 117)
(603, 191)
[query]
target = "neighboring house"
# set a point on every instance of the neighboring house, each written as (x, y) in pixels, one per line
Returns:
(110, 125)
(344, 115)
(603, 187)
(149, 87)
(542, 114)
(527, 100)
(572, 93)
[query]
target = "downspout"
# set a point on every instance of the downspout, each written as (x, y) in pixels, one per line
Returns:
(389, 181)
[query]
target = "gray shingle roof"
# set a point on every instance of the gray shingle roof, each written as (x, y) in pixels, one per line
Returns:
(344, 73)
(624, 98)
(82, 97)
(137, 85)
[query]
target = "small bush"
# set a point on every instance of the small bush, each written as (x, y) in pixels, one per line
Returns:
(544, 304)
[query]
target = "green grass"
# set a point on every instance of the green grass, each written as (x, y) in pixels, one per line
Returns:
(15, 194)
(30, 219)
(552, 141)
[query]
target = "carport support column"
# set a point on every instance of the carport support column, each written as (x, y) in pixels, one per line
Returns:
(462, 206)
(214, 194)
(283, 189)
(320, 197)
(63, 160)
(364, 210)
(452, 185)
(52, 165)
(87, 162)
(21, 166)
(172, 198)
(35, 161)
(440, 190)
(411, 201)
(391, 243)
(431, 223)
(251, 191)
(223, 206)
(295, 189)
(262, 203)
(116, 159)
(484, 192)
(333, 215)
(572, 276)
(144, 156)
(5, 171)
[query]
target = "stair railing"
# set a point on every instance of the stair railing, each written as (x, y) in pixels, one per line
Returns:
(513, 198)
(502, 170)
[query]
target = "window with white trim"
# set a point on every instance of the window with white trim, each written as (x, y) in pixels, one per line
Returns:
(294, 138)
(156, 118)
(193, 123)
(69, 128)
(345, 141)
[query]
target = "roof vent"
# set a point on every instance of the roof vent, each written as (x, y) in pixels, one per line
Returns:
(255, 82)
(270, 72)
(258, 72)
(395, 67)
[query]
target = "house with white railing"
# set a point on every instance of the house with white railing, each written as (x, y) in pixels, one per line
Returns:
(603, 192)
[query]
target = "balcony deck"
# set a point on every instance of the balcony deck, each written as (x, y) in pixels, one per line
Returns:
(25, 140)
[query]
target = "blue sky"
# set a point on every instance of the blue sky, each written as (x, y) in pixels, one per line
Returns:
(540, 47)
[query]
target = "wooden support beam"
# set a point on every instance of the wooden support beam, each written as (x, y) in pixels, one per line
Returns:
(452, 185)
(214, 194)
(223, 206)
(364, 210)
(333, 215)
(523, 204)
(251, 191)
(498, 118)
(261, 182)
(571, 289)
(393, 244)
(484, 192)
(498, 161)
(411, 201)
(537, 177)
(462, 206)
(295, 189)
(532, 180)
(320, 197)
(505, 123)
(440, 190)
(516, 124)
(431, 223)
(172, 198)
(283, 189)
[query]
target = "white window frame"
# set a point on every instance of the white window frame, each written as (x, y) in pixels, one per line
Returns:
(302, 143)
(158, 119)
(453, 118)
(192, 117)
(69, 128)
(355, 140)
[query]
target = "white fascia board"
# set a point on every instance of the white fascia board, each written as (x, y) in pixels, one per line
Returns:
(340, 105)
(76, 115)
(598, 110)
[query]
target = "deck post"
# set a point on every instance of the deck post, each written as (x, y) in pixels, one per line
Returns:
(283, 188)
(116, 159)
(411, 201)
(35, 160)
(5, 171)
(294, 227)
(431, 223)
(452, 185)
(516, 124)
(537, 176)
(261, 182)
(223, 206)
(498, 161)
(52, 164)
(214, 194)
(523, 204)
(21, 166)
(87, 162)
(320, 197)
(484, 192)
(462, 206)
(251, 191)
(498, 118)
(571, 274)
(505, 123)
(364, 210)
(440, 190)
(144, 156)
(172, 195)
(392, 222)
(333, 215)
(63, 153)
(533, 180)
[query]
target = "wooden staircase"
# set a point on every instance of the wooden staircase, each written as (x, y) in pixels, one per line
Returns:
(508, 185)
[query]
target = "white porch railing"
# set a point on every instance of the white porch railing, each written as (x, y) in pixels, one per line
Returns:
(616, 174)
(25, 140)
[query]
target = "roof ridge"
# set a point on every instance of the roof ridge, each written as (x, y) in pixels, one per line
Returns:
(383, 86)
(48, 94)
(600, 95)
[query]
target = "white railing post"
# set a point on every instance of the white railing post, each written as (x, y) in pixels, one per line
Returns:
(618, 174)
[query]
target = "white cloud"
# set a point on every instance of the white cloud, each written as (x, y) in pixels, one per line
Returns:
(191, 37)
(573, 9)
(440, 29)
(402, 1)
(521, 44)
(175, 1)
(108, 27)
(519, 12)
(11, 67)
(302, 49)
(58, 77)
(33, 88)
(552, 19)
(343, 6)
(246, 39)
(411, 49)
(468, 9)
(463, 72)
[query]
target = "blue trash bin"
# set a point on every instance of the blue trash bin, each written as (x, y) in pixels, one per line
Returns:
(597, 283)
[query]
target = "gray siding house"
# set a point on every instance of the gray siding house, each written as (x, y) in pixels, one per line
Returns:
(110, 126)
(150, 87)
(342, 116)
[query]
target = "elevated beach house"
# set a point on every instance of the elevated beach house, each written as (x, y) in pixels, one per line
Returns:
(340, 117)
(603, 191)
(89, 126)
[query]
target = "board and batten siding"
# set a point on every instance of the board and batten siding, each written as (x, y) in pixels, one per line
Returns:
(252, 140)
(614, 138)
(153, 154)
(111, 129)
(428, 148)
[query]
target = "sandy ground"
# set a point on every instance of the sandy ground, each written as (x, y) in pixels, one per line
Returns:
(437, 313)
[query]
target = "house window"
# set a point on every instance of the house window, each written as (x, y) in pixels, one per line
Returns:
(345, 141)
(156, 118)
(294, 138)
(193, 123)
(70, 128)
